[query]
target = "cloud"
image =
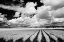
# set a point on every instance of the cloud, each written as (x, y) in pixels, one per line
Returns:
(55, 4)
(58, 19)
(30, 8)
(17, 14)
(42, 12)
(15, 8)
(59, 13)
(44, 15)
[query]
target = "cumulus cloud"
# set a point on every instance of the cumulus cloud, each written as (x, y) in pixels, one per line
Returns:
(42, 12)
(20, 19)
(17, 14)
(58, 19)
(2, 17)
(55, 4)
(30, 8)
(56, 10)
(13, 21)
(59, 13)
(34, 22)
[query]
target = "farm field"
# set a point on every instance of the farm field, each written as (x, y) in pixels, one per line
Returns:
(32, 35)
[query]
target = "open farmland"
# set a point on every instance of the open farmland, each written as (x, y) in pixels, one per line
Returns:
(31, 35)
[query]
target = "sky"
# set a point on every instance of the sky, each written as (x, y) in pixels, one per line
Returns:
(50, 10)
(57, 6)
